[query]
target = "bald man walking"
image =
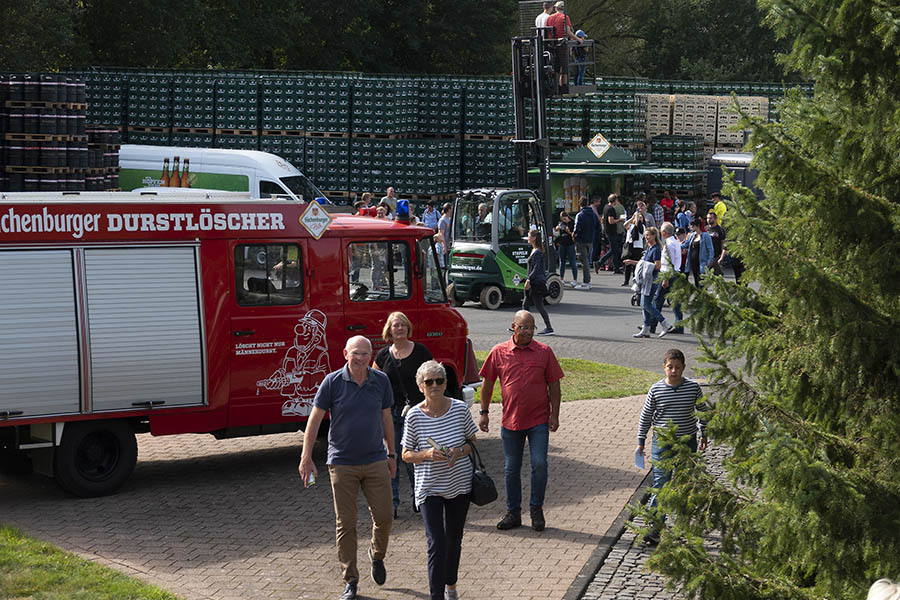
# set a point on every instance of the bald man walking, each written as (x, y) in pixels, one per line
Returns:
(360, 455)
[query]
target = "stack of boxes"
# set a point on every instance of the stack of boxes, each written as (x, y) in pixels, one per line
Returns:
(488, 107)
(44, 144)
(440, 105)
(489, 164)
(678, 152)
(384, 105)
(659, 115)
(193, 110)
(728, 117)
(694, 115)
(414, 166)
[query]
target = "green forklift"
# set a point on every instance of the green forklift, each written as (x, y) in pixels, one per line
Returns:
(489, 256)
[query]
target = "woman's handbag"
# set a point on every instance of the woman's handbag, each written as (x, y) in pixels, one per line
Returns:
(483, 489)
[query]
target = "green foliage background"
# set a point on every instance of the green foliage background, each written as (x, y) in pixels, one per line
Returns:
(664, 39)
(807, 356)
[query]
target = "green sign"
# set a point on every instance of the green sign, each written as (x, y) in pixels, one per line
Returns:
(130, 179)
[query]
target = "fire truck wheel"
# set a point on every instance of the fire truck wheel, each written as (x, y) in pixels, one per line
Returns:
(491, 297)
(554, 290)
(94, 458)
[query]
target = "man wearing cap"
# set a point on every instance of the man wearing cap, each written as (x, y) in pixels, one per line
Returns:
(580, 56)
(562, 30)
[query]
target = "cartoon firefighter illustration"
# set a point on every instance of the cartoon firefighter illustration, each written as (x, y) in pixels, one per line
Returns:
(303, 367)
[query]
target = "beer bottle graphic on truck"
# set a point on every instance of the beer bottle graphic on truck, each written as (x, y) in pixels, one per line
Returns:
(176, 179)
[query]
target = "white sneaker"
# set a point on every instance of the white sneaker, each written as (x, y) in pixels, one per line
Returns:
(643, 333)
(570, 284)
(667, 328)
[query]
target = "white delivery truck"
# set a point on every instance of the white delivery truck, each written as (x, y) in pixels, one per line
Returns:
(261, 174)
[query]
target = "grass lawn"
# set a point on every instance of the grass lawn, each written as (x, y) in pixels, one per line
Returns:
(34, 570)
(586, 379)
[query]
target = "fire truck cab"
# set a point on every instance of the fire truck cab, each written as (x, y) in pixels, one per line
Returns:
(121, 314)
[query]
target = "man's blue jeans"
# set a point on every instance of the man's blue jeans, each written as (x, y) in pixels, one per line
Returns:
(410, 470)
(513, 448)
(567, 253)
(659, 452)
(661, 300)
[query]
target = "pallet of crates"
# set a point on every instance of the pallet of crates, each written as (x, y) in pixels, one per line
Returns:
(237, 108)
(283, 105)
(150, 107)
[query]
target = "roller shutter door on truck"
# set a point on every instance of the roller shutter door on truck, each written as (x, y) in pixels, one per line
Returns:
(38, 333)
(144, 327)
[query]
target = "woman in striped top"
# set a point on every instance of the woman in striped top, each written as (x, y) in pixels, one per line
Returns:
(443, 478)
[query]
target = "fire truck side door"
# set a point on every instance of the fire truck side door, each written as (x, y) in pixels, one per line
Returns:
(279, 352)
(380, 280)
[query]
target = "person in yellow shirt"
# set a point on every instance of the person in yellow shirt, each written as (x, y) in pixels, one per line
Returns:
(719, 207)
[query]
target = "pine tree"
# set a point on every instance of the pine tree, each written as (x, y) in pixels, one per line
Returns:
(807, 358)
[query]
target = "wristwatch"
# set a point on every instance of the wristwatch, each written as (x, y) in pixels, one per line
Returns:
(392, 455)
(483, 412)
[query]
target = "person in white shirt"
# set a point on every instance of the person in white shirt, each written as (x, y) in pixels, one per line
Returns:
(671, 261)
(541, 19)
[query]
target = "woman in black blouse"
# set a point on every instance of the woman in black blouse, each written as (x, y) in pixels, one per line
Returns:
(400, 361)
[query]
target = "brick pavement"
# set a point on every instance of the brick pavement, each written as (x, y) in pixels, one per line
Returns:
(230, 520)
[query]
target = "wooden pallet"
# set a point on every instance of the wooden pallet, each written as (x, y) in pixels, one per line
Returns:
(336, 193)
(104, 146)
(37, 170)
(246, 132)
(476, 137)
(327, 134)
(43, 137)
(42, 104)
(142, 129)
(283, 132)
(379, 136)
(201, 130)
(439, 136)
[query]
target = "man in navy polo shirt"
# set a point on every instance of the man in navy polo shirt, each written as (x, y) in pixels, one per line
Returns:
(359, 399)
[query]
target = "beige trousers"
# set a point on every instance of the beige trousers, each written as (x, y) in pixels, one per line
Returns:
(375, 481)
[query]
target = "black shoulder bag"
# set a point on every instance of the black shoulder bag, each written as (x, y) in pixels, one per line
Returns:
(483, 489)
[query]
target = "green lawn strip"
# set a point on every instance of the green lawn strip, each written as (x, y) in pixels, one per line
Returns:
(35, 570)
(586, 380)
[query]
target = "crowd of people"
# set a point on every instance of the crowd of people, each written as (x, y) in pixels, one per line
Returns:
(654, 238)
(431, 216)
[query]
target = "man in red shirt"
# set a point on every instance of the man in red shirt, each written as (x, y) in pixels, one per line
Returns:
(562, 30)
(529, 377)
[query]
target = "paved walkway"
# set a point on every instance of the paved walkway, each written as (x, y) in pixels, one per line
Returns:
(230, 520)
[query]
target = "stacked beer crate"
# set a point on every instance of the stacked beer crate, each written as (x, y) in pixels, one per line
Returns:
(679, 152)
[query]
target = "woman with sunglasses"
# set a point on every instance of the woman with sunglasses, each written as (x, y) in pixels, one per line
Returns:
(400, 361)
(435, 440)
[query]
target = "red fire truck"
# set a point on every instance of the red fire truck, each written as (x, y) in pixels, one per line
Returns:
(121, 314)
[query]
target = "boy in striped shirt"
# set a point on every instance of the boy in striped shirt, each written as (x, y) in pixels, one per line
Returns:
(673, 399)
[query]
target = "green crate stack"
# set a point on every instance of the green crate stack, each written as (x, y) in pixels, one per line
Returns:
(326, 162)
(236, 103)
(328, 95)
(619, 115)
(489, 164)
(440, 104)
(284, 103)
(678, 152)
(385, 105)
(149, 139)
(105, 96)
(150, 101)
(488, 107)
(192, 101)
(236, 142)
(191, 140)
(565, 119)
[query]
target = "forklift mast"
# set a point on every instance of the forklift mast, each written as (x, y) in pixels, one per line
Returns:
(532, 70)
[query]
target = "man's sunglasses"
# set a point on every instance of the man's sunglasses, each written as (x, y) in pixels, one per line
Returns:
(431, 382)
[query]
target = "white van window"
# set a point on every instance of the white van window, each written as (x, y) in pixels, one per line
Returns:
(378, 271)
(267, 189)
(302, 187)
(268, 274)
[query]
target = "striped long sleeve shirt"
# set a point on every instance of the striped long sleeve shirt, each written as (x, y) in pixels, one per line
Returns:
(665, 403)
